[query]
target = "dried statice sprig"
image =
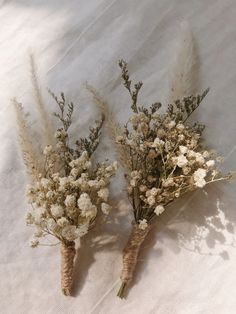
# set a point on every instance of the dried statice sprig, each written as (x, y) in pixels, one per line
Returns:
(69, 191)
(168, 160)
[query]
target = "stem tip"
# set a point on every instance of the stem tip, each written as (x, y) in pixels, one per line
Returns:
(121, 292)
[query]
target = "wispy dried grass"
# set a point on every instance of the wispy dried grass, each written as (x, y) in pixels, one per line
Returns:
(111, 126)
(30, 156)
(46, 123)
(184, 69)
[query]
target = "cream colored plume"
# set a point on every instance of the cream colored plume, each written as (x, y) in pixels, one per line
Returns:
(111, 125)
(30, 156)
(183, 78)
(46, 123)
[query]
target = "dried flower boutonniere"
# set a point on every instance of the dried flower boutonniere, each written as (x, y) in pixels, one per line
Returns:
(67, 188)
(165, 159)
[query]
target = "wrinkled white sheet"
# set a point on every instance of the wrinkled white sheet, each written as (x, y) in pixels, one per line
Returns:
(188, 261)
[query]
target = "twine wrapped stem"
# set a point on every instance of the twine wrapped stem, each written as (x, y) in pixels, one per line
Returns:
(67, 266)
(130, 256)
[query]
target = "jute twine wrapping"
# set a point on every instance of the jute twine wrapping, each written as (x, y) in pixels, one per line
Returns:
(67, 266)
(131, 252)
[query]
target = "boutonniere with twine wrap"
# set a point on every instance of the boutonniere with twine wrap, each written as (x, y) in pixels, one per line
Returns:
(166, 160)
(68, 188)
(161, 151)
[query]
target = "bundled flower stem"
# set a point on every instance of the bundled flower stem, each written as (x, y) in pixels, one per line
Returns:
(167, 160)
(68, 189)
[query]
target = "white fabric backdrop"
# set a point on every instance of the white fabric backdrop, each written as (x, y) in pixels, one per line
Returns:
(188, 261)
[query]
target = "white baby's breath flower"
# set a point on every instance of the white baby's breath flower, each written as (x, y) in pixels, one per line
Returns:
(183, 149)
(103, 194)
(180, 161)
(210, 163)
(38, 214)
(200, 183)
(199, 158)
(206, 154)
(74, 172)
(168, 182)
(105, 208)
(143, 224)
(55, 176)
(88, 210)
(143, 188)
(45, 183)
(180, 127)
(50, 194)
(47, 150)
(191, 154)
(193, 143)
(69, 232)
(70, 201)
(151, 200)
(93, 183)
(133, 182)
(171, 124)
(62, 222)
(135, 175)
(181, 137)
(63, 183)
(199, 177)
(186, 170)
(214, 173)
(158, 142)
(159, 210)
(57, 210)
(177, 194)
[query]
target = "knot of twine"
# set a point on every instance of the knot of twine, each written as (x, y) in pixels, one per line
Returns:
(131, 252)
(67, 266)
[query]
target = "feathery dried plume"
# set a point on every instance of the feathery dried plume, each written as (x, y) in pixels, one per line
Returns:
(113, 128)
(46, 123)
(30, 155)
(184, 68)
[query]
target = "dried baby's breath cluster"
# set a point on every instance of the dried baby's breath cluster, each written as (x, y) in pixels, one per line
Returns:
(69, 192)
(167, 159)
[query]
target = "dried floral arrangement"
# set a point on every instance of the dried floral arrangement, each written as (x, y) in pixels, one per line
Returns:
(68, 188)
(165, 159)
